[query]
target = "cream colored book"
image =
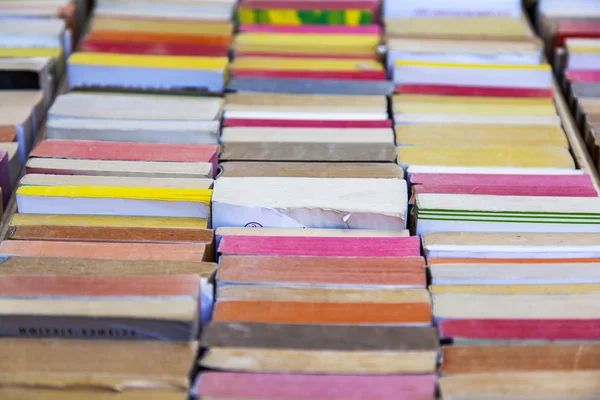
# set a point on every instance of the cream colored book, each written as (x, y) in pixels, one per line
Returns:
(310, 203)
(139, 107)
(519, 157)
(300, 144)
(243, 231)
(123, 181)
(121, 168)
(481, 135)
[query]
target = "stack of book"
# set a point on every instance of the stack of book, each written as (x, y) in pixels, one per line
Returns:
(501, 299)
(32, 59)
(152, 45)
(308, 47)
(582, 82)
(305, 127)
(556, 21)
(506, 214)
(338, 306)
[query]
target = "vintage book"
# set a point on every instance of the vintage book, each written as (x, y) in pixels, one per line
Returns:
(439, 8)
(333, 203)
(70, 166)
(325, 246)
(120, 118)
(511, 245)
(18, 393)
(315, 85)
(104, 250)
(140, 307)
(230, 385)
(28, 98)
(310, 170)
(305, 110)
(305, 43)
(105, 70)
(107, 200)
(483, 213)
(19, 119)
(308, 305)
(27, 74)
(14, 265)
(456, 50)
(98, 228)
(552, 385)
(301, 144)
(319, 349)
(116, 151)
(310, 232)
(518, 288)
(480, 135)
(525, 358)
(483, 156)
(508, 185)
(115, 181)
(479, 28)
(347, 272)
(107, 106)
(500, 272)
(108, 365)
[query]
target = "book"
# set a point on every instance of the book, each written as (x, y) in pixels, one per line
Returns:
(149, 169)
(301, 144)
(103, 365)
(19, 119)
(308, 305)
(104, 250)
(224, 385)
(109, 228)
(115, 181)
(314, 349)
(107, 70)
(318, 271)
(117, 151)
(150, 308)
(333, 203)
(107, 200)
(482, 213)
(310, 170)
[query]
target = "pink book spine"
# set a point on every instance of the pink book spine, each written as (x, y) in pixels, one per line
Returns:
(590, 76)
(316, 29)
(502, 180)
(321, 246)
(324, 387)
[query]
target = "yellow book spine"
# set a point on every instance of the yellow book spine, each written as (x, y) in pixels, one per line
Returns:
(108, 220)
(541, 67)
(25, 52)
(474, 109)
(113, 192)
(305, 64)
(149, 61)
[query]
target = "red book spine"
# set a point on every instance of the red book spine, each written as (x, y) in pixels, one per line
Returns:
(321, 246)
(473, 91)
(490, 329)
(336, 75)
(168, 49)
(288, 123)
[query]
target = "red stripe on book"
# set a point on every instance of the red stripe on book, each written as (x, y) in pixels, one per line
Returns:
(289, 123)
(321, 246)
(589, 76)
(337, 75)
(575, 181)
(550, 191)
(473, 91)
(574, 329)
(578, 29)
(168, 49)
